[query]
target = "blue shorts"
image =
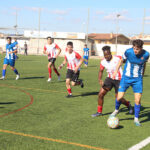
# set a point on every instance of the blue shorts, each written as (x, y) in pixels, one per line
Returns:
(10, 62)
(86, 57)
(135, 83)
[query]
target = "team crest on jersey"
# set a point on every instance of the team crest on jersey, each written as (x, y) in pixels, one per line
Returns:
(142, 58)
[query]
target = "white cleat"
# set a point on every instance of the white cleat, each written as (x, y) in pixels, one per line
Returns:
(17, 76)
(114, 113)
(59, 78)
(130, 109)
(49, 80)
(2, 78)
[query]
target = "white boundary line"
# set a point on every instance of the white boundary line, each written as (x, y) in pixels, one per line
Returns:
(141, 144)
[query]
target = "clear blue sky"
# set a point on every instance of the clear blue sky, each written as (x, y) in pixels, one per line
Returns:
(71, 15)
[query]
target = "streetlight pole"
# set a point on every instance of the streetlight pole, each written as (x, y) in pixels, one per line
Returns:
(39, 31)
(87, 26)
(117, 19)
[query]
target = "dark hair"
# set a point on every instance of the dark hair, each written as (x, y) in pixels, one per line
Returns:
(106, 48)
(49, 37)
(8, 38)
(85, 45)
(70, 43)
(139, 43)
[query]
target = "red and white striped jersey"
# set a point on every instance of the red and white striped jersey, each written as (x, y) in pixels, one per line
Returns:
(73, 60)
(111, 66)
(51, 49)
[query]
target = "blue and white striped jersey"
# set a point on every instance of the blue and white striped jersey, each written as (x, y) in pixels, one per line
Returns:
(86, 52)
(134, 65)
(10, 48)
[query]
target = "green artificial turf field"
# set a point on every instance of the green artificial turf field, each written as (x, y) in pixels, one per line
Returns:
(35, 115)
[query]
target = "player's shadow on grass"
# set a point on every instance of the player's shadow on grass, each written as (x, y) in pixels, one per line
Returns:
(87, 94)
(33, 78)
(6, 103)
(145, 112)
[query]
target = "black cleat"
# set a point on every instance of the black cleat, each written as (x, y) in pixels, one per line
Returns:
(68, 96)
(97, 114)
(81, 84)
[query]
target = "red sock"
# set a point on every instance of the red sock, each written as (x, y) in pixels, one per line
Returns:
(99, 109)
(127, 103)
(56, 72)
(50, 72)
(69, 91)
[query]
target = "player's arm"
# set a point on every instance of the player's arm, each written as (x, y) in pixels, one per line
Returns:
(15, 51)
(59, 50)
(79, 65)
(100, 75)
(118, 67)
(63, 63)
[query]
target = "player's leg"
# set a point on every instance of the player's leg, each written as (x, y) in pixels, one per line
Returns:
(49, 71)
(4, 72)
(101, 95)
(137, 89)
(12, 64)
(76, 81)
(116, 84)
(55, 70)
(69, 75)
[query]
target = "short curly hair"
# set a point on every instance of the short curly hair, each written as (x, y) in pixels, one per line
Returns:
(139, 43)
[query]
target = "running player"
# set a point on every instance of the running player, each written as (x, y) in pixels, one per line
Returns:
(52, 50)
(74, 61)
(10, 59)
(109, 63)
(86, 55)
(136, 58)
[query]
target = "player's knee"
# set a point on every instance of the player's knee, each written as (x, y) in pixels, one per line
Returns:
(73, 83)
(101, 95)
(12, 68)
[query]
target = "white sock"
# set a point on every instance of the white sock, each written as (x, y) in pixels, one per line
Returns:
(136, 119)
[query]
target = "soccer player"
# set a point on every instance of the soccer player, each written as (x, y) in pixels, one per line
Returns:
(74, 62)
(10, 58)
(136, 58)
(86, 55)
(52, 50)
(109, 63)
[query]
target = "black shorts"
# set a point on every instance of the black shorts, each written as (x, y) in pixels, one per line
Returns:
(72, 75)
(110, 83)
(52, 60)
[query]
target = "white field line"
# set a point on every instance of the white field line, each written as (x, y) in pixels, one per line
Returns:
(141, 144)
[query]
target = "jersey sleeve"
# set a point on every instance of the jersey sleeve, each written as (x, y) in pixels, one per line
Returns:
(125, 55)
(77, 55)
(56, 46)
(102, 65)
(147, 56)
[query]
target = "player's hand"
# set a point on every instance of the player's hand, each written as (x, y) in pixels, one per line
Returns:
(76, 70)
(9, 52)
(114, 75)
(101, 82)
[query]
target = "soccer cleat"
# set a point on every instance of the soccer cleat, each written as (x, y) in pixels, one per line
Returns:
(137, 123)
(130, 109)
(17, 76)
(114, 113)
(97, 114)
(69, 96)
(49, 80)
(59, 78)
(81, 84)
(2, 78)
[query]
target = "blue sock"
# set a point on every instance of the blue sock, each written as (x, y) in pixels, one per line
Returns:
(16, 72)
(4, 72)
(117, 105)
(137, 110)
(84, 62)
(87, 62)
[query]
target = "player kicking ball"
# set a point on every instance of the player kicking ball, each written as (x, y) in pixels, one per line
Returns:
(10, 58)
(136, 59)
(109, 63)
(74, 61)
(52, 50)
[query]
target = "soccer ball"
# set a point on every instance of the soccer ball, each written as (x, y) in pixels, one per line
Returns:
(113, 122)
